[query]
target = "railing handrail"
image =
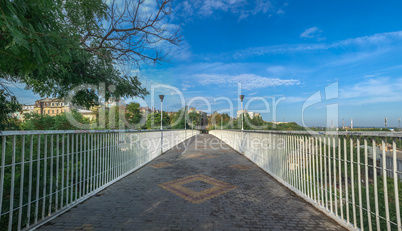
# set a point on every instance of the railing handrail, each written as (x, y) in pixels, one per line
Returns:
(40, 132)
(330, 133)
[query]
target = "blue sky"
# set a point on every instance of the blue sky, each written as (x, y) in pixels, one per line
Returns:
(290, 49)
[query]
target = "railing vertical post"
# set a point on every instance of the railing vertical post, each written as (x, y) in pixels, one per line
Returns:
(325, 171)
(314, 168)
(340, 176)
(71, 179)
(77, 166)
(85, 165)
(345, 161)
(321, 175)
(11, 213)
(396, 180)
(21, 182)
(334, 167)
(366, 164)
(377, 212)
(44, 177)
(310, 177)
(359, 183)
(385, 183)
(352, 176)
(30, 181)
(37, 180)
(318, 198)
(62, 171)
(3, 166)
(299, 163)
(330, 175)
(57, 172)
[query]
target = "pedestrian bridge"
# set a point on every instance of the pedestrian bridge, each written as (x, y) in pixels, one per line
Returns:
(183, 180)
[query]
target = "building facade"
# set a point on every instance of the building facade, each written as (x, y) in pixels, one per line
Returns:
(251, 114)
(51, 106)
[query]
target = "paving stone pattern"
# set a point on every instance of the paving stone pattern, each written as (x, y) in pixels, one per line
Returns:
(195, 188)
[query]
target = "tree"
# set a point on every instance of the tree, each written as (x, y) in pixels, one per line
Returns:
(130, 19)
(178, 120)
(194, 119)
(34, 121)
(154, 120)
(53, 46)
(133, 114)
(8, 104)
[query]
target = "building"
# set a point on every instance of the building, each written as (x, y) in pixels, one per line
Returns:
(54, 106)
(87, 114)
(113, 102)
(251, 114)
(191, 109)
(145, 111)
(278, 122)
(51, 106)
(28, 109)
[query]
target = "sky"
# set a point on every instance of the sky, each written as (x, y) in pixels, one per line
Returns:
(310, 62)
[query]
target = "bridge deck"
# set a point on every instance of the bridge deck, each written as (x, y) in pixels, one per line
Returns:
(207, 186)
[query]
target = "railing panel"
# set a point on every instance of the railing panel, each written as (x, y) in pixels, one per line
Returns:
(44, 173)
(353, 177)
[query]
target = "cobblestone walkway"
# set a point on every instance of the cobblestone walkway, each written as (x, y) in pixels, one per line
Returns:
(201, 188)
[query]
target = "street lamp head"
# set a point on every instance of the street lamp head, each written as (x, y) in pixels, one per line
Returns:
(161, 97)
(241, 97)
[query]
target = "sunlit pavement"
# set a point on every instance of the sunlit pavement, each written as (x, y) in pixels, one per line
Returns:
(206, 186)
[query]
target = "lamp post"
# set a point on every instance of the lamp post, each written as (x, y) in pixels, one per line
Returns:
(161, 97)
(242, 114)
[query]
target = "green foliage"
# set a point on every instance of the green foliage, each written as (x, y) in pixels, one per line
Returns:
(41, 46)
(178, 120)
(292, 126)
(133, 114)
(36, 121)
(154, 120)
(194, 119)
(8, 104)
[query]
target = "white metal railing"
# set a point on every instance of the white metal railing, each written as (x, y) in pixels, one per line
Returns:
(44, 173)
(341, 173)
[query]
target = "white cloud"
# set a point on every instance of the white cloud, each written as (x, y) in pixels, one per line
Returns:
(310, 32)
(313, 32)
(379, 39)
(378, 90)
(242, 8)
(247, 81)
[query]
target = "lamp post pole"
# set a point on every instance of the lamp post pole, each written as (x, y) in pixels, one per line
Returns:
(242, 112)
(161, 97)
(185, 122)
(242, 116)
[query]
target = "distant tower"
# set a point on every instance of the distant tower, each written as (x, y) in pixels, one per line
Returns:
(399, 120)
(343, 123)
(332, 124)
(351, 123)
(385, 122)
